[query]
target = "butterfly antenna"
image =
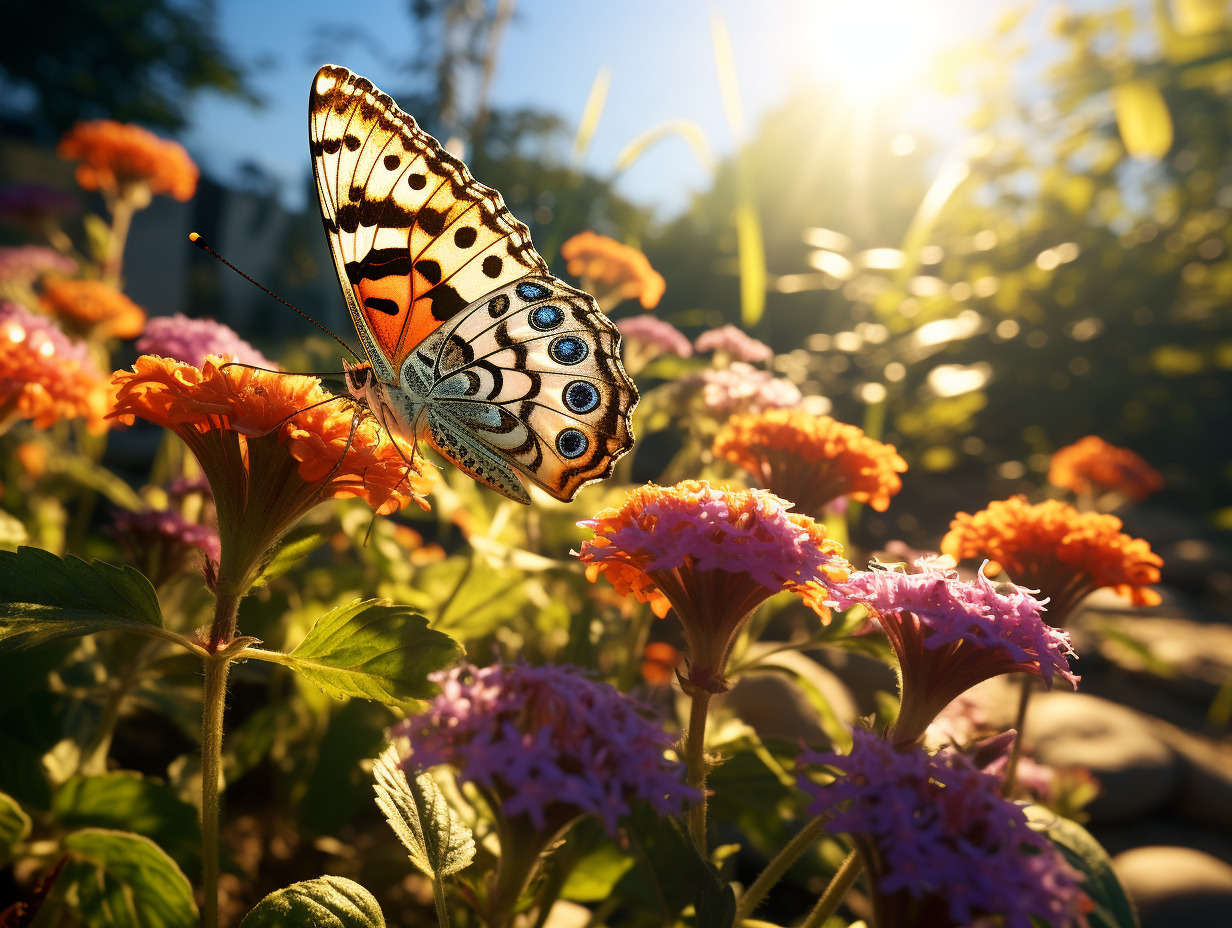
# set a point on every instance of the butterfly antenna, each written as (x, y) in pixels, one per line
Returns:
(197, 240)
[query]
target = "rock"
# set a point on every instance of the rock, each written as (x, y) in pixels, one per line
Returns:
(1138, 773)
(1176, 886)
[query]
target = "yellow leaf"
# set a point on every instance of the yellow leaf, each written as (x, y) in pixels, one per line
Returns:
(1143, 119)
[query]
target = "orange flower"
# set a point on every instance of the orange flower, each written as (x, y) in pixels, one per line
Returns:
(120, 159)
(811, 460)
(1091, 465)
(713, 554)
(92, 306)
(46, 377)
(612, 271)
(273, 446)
(659, 660)
(1054, 548)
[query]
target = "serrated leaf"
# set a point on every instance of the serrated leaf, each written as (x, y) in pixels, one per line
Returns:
(46, 598)
(437, 842)
(14, 825)
(374, 650)
(1113, 908)
(683, 876)
(128, 801)
(326, 902)
(122, 879)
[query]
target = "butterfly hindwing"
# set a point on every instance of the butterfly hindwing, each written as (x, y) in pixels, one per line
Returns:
(415, 238)
(528, 381)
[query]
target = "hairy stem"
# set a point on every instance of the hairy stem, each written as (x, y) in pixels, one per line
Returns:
(774, 871)
(695, 759)
(843, 881)
(215, 700)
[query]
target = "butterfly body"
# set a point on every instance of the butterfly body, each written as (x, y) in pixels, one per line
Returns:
(472, 345)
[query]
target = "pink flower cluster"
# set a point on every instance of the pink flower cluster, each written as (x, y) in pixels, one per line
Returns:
(25, 264)
(734, 342)
(191, 340)
(936, 827)
(744, 388)
(43, 336)
(1003, 617)
(655, 335)
(702, 527)
(550, 743)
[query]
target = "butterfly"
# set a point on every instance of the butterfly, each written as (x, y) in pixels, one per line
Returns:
(472, 345)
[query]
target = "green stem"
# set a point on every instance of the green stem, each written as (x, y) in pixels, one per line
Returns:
(774, 871)
(438, 894)
(215, 700)
(1020, 721)
(695, 759)
(121, 220)
(226, 610)
(843, 881)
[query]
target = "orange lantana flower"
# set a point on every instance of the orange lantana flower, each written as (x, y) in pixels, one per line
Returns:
(118, 159)
(1054, 548)
(46, 377)
(92, 306)
(1091, 465)
(612, 271)
(713, 554)
(811, 460)
(273, 446)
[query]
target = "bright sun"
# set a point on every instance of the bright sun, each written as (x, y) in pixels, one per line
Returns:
(877, 47)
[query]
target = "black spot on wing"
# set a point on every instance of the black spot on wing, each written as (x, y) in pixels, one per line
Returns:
(431, 221)
(382, 305)
(431, 270)
(492, 265)
(446, 302)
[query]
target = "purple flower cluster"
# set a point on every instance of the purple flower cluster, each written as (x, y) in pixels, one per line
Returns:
(24, 202)
(936, 827)
(191, 340)
(655, 335)
(18, 324)
(734, 342)
(24, 264)
(170, 528)
(550, 743)
(1003, 616)
(744, 388)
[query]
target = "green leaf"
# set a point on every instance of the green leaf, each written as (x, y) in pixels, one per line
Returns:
(124, 879)
(46, 598)
(127, 801)
(371, 649)
(1113, 908)
(595, 877)
(297, 545)
(326, 902)
(338, 785)
(682, 875)
(438, 843)
(14, 825)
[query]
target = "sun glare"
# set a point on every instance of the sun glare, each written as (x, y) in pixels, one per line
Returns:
(878, 47)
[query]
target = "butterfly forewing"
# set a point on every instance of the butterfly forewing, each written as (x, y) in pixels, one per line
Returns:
(415, 238)
(473, 344)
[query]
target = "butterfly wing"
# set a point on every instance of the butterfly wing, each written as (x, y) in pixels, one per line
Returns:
(530, 381)
(415, 238)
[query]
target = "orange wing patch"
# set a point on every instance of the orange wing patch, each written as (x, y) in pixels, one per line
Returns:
(415, 238)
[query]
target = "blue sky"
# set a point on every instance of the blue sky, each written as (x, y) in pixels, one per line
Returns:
(659, 52)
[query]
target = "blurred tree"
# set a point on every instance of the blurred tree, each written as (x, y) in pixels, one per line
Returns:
(130, 60)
